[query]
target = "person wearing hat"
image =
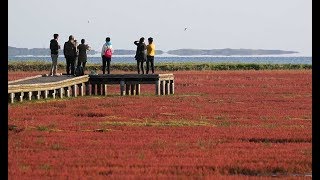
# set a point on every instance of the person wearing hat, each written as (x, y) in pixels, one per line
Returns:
(150, 55)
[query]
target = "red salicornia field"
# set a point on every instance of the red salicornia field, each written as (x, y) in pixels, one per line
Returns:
(218, 124)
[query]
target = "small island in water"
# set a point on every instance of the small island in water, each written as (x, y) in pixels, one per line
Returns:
(14, 51)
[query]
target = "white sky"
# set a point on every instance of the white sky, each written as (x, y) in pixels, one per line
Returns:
(212, 24)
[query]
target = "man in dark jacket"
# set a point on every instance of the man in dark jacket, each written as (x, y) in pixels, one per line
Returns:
(141, 54)
(70, 53)
(54, 47)
(82, 58)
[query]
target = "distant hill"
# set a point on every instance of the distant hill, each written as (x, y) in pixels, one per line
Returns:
(13, 51)
(227, 52)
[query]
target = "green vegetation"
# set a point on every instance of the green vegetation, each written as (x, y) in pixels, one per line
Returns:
(44, 66)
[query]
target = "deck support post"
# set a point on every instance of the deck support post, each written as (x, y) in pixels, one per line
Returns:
(46, 94)
(30, 95)
(95, 89)
(122, 88)
(132, 90)
(12, 97)
(157, 87)
(128, 89)
(68, 91)
(172, 87)
(167, 87)
(75, 90)
(162, 88)
(61, 92)
(137, 89)
(21, 96)
(88, 89)
(38, 94)
(54, 94)
(82, 89)
(105, 90)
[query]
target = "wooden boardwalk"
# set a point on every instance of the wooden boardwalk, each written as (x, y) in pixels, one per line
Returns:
(43, 87)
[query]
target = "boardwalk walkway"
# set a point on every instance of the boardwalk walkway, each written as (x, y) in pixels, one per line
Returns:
(42, 86)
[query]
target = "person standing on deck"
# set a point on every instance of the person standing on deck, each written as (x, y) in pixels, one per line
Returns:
(140, 54)
(70, 53)
(106, 60)
(82, 57)
(150, 54)
(54, 48)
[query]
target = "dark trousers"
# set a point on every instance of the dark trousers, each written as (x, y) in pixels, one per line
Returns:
(105, 61)
(70, 64)
(150, 60)
(140, 66)
(83, 64)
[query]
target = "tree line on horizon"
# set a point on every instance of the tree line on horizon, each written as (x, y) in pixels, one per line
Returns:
(14, 51)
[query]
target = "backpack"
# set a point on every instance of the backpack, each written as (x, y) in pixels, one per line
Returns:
(108, 53)
(69, 49)
(54, 46)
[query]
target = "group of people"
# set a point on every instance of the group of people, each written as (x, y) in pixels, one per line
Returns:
(76, 54)
(73, 52)
(145, 53)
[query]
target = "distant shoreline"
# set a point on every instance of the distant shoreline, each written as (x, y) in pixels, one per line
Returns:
(13, 51)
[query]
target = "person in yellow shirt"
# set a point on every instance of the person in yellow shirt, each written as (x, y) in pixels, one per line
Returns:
(150, 55)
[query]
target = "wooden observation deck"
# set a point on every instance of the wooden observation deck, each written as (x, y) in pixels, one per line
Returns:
(43, 86)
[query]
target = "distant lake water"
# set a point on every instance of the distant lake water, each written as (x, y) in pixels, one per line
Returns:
(183, 59)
